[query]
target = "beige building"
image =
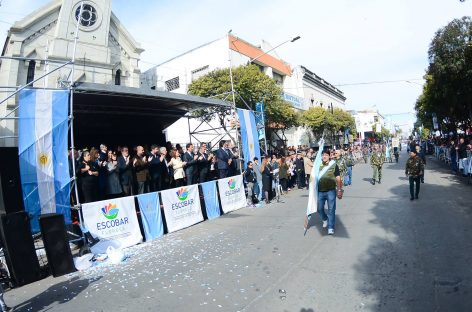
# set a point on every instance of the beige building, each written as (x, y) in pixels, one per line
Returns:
(105, 53)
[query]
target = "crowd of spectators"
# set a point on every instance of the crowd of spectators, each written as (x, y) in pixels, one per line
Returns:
(456, 151)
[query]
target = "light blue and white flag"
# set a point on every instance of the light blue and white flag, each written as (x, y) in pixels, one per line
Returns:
(151, 216)
(42, 148)
(314, 178)
(210, 195)
(249, 136)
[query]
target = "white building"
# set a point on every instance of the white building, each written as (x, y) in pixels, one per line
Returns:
(106, 53)
(367, 122)
(301, 87)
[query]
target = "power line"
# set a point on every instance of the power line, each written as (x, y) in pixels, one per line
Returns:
(377, 82)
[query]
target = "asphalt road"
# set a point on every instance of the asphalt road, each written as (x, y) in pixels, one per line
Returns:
(388, 254)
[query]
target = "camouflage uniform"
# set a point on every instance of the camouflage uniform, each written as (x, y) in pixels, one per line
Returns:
(341, 162)
(414, 169)
(365, 154)
(376, 161)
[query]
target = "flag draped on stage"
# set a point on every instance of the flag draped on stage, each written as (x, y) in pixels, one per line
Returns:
(314, 177)
(42, 148)
(249, 136)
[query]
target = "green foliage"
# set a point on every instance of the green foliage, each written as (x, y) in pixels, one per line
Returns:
(251, 86)
(448, 88)
(319, 120)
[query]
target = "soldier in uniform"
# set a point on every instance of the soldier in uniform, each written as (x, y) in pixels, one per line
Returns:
(341, 163)
(376, 161)
(414, 170)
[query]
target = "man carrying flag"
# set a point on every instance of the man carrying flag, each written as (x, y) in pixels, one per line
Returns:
(325, 186)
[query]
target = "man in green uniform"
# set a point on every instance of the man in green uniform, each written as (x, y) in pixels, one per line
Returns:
(414, 170)
(329, 187)
(341, 162)
(376, 161)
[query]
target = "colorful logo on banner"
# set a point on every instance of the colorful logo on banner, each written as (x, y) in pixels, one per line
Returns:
(231, 184)
(182, 193)
(232, 188)
(110, 211)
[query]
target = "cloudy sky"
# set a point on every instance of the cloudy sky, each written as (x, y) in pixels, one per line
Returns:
(343, 41)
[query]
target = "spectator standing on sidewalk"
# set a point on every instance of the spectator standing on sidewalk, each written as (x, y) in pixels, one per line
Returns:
(308, 163)
(258, 184)
(462, 156)
(413, 170)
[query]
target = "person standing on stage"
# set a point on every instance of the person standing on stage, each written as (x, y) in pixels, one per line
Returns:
(140, 164)
(191, 164)
(224, 159)
(204, 161)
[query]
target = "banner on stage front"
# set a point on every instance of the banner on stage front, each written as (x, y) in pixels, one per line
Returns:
(181, 207)
(210, 195)
(114, 222)
(151, 215)
(232, 194)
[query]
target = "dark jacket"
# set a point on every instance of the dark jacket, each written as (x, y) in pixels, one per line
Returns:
(250, 176)
(155, 167)
(191, 164)
(141, 169)
(126, 170)
(223, 158)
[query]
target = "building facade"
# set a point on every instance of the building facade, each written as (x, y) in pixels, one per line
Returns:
(367, 122)
(106, 53)
(300, 87)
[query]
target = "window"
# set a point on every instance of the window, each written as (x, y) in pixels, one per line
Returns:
(172, 84)
(118, 77)
(30, 74)
(199, 72)
(88, 17)
(376, 118)
(279, 79)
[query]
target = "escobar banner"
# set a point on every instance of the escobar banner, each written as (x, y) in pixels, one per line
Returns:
(181, 207)
(232, 194)
(114, 222)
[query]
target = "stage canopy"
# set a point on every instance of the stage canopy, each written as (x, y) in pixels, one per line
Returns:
(118, 115)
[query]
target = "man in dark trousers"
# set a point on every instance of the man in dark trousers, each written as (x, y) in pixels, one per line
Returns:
(413, 170)
(224, 159)
(204, 161)
(300, 170)
(191, 164)
(125, 167)
(155, 168)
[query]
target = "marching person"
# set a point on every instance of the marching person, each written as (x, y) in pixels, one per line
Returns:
(349, 158)
(329, 187)
(376, 161)
(420, 153)
(341, 163)
(413, 170)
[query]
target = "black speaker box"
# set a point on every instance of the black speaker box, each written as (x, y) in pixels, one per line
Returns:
(18, 247)
(53, 230)
(10, 183)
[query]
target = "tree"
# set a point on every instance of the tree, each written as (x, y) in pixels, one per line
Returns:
(322, 121)
(251, 86)
(448, 89)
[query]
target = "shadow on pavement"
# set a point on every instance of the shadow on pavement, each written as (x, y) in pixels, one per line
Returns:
(423, 261)
(56, 294)
(316, 225)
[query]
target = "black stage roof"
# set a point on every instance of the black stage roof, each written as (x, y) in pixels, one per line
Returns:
(117, 115)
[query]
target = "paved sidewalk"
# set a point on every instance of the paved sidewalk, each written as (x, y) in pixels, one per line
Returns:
(388, 254)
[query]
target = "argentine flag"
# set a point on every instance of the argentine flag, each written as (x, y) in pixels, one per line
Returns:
(42, 146)
(249, 136)
(314, 177)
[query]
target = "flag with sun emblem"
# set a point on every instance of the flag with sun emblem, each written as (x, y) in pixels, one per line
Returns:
(249, 136)
(42, 147)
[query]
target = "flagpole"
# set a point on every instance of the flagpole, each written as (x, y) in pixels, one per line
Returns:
(71, 108)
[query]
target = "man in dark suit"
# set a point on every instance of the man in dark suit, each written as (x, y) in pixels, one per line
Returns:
(224, 159)
(191, 164)
(125, 167)
(155, 169)
(204, 161)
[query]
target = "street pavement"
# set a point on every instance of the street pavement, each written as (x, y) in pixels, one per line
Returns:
(387, 254)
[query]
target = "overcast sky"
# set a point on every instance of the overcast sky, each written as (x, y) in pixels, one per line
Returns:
(343, 41)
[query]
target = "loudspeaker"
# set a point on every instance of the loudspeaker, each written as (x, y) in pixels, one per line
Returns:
(53, 230)
(10, 183)
(18, 247)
